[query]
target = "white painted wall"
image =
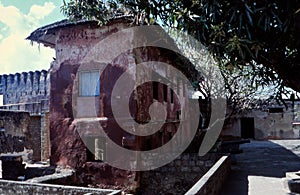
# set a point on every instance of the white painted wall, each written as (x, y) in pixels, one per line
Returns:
(269, 125)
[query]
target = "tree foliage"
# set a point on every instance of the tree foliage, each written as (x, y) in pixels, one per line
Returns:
(263, 35)
(256, 42)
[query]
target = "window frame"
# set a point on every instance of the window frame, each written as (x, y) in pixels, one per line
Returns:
(80, 94)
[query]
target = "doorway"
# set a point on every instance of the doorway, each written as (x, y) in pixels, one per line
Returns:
(247, 128)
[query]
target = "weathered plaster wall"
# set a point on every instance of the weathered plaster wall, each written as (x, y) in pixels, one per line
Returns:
(67, 147)
(274, 125)
(269, 125)
(69, 119)
(232, 127)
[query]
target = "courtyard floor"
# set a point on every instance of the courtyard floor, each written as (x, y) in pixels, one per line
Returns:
(260, 169)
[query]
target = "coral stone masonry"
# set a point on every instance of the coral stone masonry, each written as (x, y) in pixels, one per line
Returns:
(78, 110)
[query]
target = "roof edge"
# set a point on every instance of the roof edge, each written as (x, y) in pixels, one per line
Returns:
(38, 34)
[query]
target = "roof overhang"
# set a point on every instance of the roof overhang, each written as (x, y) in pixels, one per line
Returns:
(47, 34)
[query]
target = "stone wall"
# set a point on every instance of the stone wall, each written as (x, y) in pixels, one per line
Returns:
(45, 136)
(211, 183)
(178, 176)
(9, 143)
(75, 118)
(28, 91)
(269, 125)
(13, 187)
(14, 127)
(19, 130)
(34, 136)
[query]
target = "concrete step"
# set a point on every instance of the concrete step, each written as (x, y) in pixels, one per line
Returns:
(292, 181)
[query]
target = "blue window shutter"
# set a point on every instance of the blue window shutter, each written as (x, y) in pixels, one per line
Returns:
(89, 83)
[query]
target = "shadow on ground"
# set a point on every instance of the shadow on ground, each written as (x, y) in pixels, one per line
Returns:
(261, 166)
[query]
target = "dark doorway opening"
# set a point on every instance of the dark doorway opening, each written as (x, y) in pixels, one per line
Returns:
(95, 148)
(247, 128)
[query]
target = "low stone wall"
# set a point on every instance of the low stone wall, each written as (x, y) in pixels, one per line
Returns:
(13, 187)
(33, 171)
(60, 177)
(211, 183)
(178, 176)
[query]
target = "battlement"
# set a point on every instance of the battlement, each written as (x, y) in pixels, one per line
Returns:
(26, 91)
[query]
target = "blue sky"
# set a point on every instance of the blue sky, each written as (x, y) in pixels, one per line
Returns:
(18, 18)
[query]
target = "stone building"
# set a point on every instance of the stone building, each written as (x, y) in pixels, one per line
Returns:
(82, 120)
(79, 93)
(24, 113)
(272, 121)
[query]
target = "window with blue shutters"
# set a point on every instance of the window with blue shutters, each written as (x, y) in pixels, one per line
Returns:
(89, 83)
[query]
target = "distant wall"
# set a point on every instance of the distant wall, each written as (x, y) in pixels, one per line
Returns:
(19, 130)
(28, 91)
(268, 125)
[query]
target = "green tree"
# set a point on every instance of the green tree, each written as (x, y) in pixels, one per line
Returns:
(261, 34)
(258, 38)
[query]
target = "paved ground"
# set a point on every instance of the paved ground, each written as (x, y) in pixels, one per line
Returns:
(260, 168)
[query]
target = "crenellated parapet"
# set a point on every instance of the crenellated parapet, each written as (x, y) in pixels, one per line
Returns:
(3, 79)
(24, 89)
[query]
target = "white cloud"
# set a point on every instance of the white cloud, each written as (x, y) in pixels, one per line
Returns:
(11, 17)
(39, 12)
(17, 55)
